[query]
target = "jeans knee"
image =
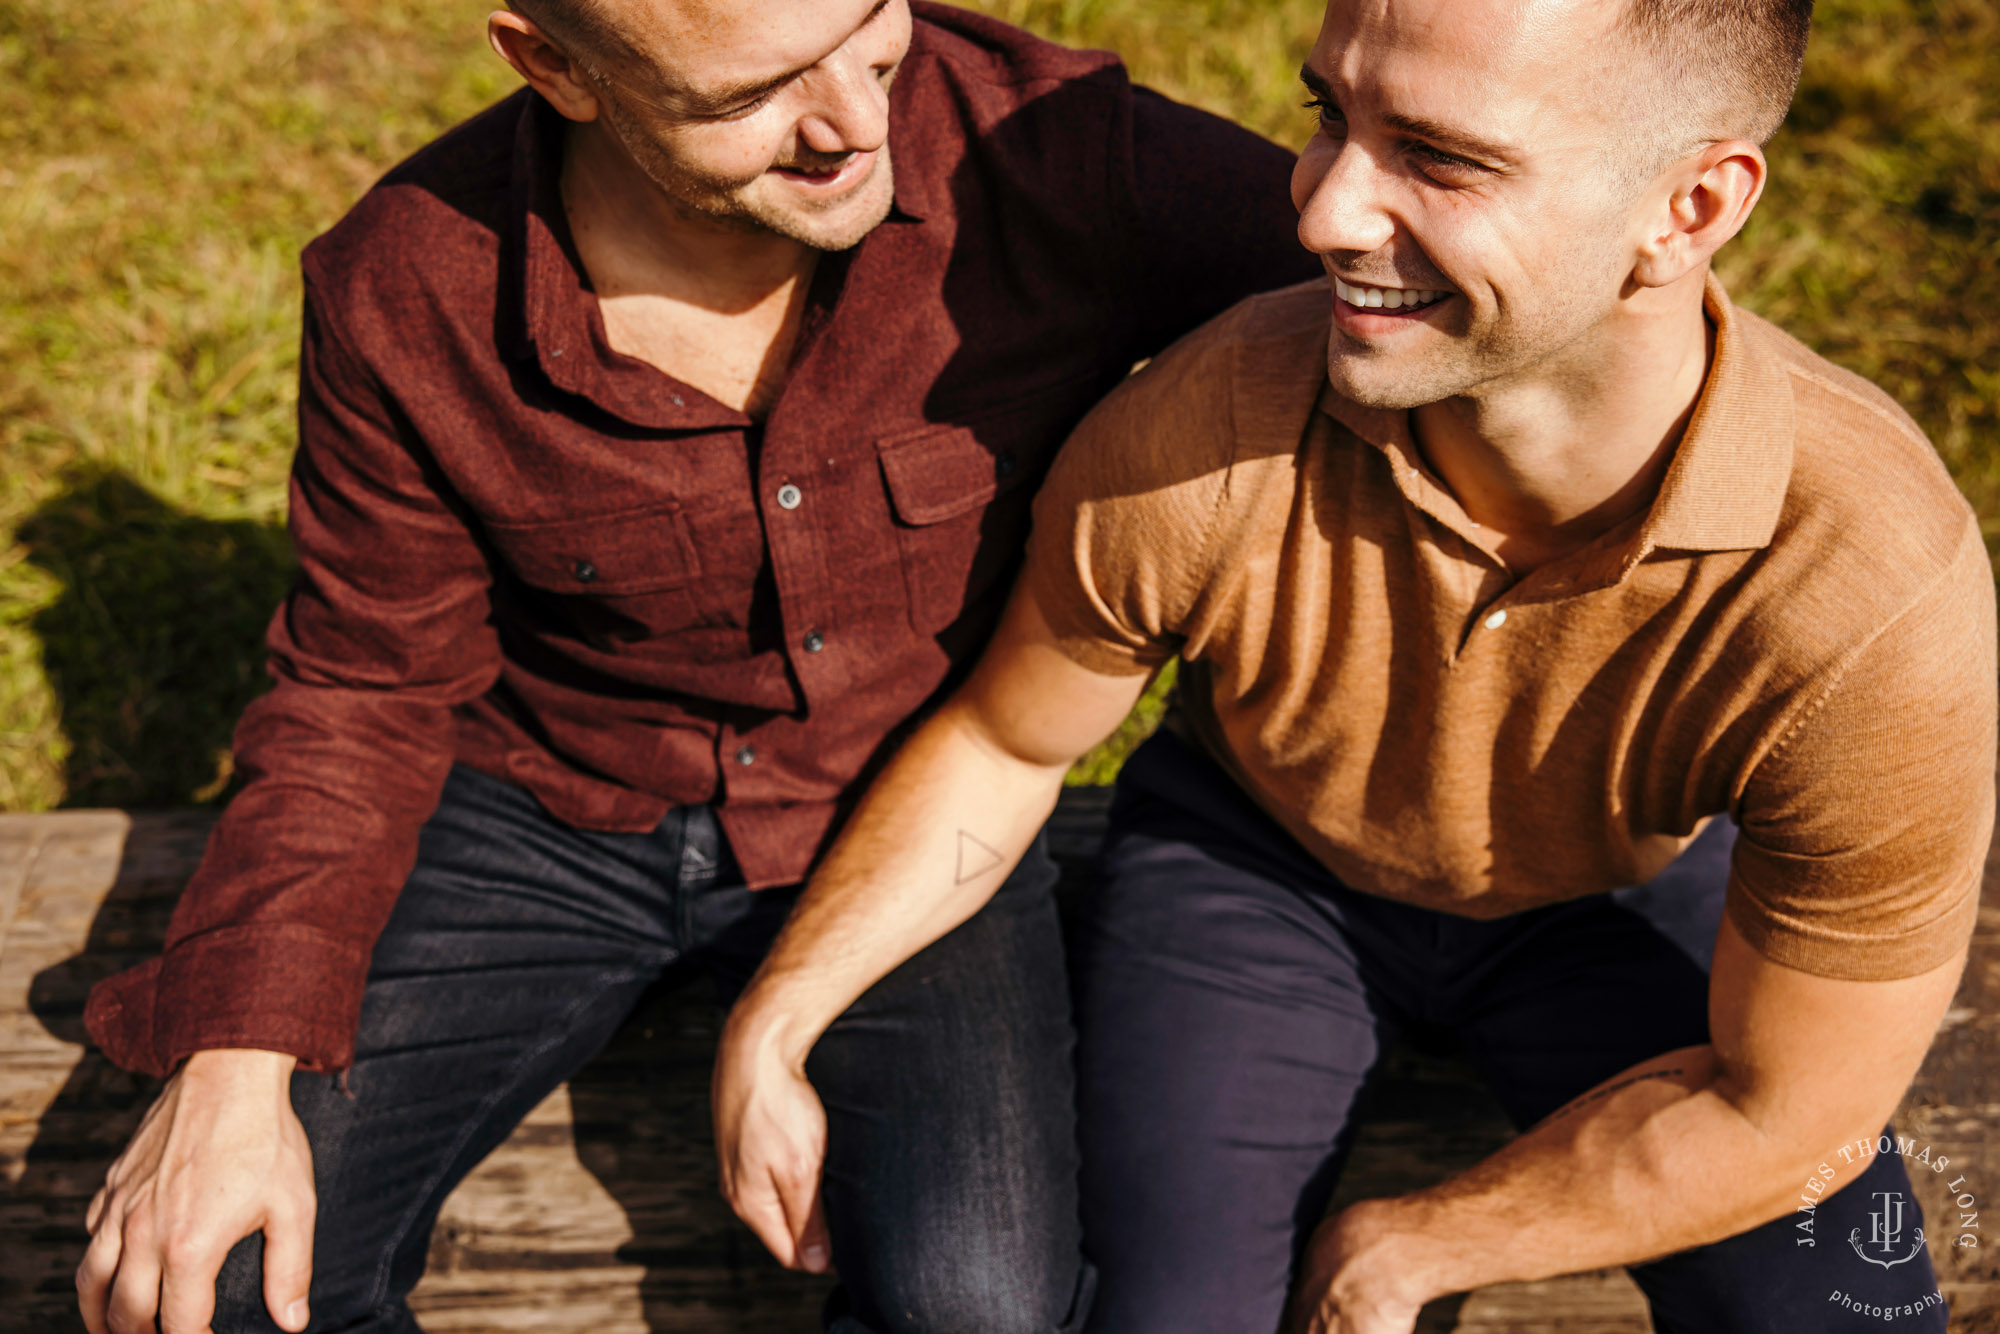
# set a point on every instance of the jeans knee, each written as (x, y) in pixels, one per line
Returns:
(967, 1293)
(345, 1306)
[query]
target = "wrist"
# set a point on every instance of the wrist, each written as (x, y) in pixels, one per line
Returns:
(239, 1065)
(767, 1031)
(1386, 1243)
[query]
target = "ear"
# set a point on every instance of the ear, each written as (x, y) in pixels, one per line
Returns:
(537, 58)
(1710, 195)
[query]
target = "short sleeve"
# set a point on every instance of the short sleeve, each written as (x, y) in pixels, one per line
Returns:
(1123, 526)
(1866, 827)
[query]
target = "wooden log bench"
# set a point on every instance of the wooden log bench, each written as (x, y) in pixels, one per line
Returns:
(601, 1214)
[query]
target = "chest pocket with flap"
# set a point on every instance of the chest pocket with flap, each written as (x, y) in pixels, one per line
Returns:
(627, 576)
(962, 510)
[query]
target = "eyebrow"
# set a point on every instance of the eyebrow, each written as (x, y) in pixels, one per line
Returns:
(1422, 127)
(714, 101)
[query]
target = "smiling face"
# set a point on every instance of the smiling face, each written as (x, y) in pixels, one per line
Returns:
(765, 114)
(1476, 189)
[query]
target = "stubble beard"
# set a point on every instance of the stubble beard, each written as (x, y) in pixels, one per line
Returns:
(737, 204)
(1457, 361)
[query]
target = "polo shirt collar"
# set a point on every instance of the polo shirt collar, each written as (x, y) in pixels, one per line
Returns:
(1726, 485)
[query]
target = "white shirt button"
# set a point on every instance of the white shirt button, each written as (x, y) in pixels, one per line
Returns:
(789, 497)
(1496, 620)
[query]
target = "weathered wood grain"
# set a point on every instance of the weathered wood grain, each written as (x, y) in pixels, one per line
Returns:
(601, 1213)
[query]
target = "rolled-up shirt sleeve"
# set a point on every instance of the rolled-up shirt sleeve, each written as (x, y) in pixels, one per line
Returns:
(386, 629)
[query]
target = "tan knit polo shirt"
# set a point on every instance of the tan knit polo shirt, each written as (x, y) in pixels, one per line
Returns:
(1800, 633)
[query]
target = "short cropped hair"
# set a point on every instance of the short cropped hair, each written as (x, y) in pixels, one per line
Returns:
(579, 27)
(1735, 62)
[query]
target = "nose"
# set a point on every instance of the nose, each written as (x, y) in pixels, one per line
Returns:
(1341, 193)
(851, 113)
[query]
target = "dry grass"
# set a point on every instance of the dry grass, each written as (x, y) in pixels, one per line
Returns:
(162, 162)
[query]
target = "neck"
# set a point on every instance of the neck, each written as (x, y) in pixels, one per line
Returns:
(1549, 461)
(637, 240)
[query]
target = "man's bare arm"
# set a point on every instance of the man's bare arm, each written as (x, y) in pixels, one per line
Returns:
(930, 843)
(1686, 1149)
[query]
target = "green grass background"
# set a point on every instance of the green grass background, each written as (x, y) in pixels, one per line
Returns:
(162, 162)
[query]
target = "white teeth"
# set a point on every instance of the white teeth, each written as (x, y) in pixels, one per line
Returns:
(1386, 298)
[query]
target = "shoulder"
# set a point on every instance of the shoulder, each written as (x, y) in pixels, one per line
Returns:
(970, 47)
(1239, 387)
(973, 86)
(443, 207)
(1876, 569)
(1870, 513)
(1255, 370)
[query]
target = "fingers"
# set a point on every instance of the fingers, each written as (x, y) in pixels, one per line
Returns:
(814, 1250)
(99, 1267)
(135, 1288)
(187, 1286)
(797, 1185)
(759, 1207)
(288, 1252)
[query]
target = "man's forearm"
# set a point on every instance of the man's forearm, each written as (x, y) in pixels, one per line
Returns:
(937, 834)
(1654, 1161)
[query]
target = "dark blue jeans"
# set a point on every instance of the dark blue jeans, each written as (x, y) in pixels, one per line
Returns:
(1233, 996)
(517, 947)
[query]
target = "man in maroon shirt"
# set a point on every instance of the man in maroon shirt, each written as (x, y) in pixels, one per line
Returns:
(667, 435)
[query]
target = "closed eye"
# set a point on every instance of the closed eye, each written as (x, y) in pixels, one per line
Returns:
(1435, 159)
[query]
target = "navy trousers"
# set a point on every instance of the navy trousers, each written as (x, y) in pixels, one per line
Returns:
(517, 947)
(1233, 996)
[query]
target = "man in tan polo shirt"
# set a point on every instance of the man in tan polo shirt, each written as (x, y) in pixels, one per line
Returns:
(1575, 670)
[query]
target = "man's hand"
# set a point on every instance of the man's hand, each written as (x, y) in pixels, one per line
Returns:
(981, 775)
(1352, 1281)
(219, 1156)
(1676, 1152)
(770, 1138)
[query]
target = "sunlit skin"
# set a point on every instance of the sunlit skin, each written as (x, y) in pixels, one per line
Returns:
(1499, 152)
(1510, 153)
(772, 116)
(712, 155)
(710, 158)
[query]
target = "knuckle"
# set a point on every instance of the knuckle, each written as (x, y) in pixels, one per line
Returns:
(184, 1251)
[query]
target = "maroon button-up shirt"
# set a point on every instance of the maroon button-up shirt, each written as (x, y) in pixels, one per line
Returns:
(523, 551)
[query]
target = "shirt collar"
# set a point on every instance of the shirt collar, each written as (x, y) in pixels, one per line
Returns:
(560, 326)
(1726, 485)
(917, 143)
